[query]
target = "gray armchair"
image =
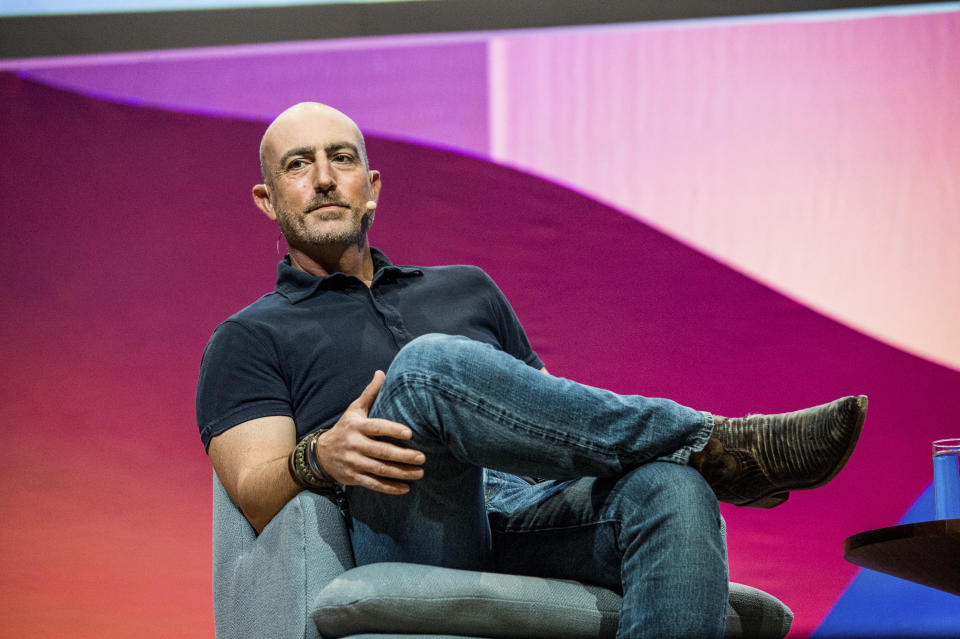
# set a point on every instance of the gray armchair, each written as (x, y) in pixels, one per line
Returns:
(297, 579)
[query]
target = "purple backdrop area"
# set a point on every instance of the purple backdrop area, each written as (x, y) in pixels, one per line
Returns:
(432, 88)
(130, 233)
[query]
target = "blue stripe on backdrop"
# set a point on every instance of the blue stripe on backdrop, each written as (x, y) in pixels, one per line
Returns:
(878, 605)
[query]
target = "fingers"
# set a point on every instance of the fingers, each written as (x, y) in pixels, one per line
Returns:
(384, 468)
(369, 394)
(387, 452)
(383, 476)
(354, 454)
(372, 427)
(376, 427)
(387, 471)
(380, 485)
(363, 454)
(357, 450)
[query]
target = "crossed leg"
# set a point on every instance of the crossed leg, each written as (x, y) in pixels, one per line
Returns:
(626, 509)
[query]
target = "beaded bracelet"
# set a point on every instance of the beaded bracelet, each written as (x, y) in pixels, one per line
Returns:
(304, 467)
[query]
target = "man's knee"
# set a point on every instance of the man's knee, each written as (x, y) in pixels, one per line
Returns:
(425, 353)
(432, 342)
(673, 494)
(415, 380)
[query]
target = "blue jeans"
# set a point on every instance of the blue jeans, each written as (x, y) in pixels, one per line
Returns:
(621, 509)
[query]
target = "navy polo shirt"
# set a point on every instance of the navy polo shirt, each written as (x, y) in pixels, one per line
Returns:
(309, 348)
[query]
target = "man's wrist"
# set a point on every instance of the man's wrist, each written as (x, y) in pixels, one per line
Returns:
(305, 468)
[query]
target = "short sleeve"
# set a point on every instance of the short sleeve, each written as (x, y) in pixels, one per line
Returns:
(240, 379)
(513, 339)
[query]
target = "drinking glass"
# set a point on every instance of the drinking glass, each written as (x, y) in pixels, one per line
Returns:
(946, 478)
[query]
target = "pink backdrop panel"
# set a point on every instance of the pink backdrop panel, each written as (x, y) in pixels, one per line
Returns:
(818, 152)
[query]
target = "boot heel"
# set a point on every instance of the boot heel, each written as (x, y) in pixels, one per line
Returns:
(769, 501)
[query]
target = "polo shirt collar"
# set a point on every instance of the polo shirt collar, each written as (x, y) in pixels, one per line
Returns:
(296, 285)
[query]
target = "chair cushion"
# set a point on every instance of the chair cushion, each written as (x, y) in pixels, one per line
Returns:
(400, 598)
(410, 599)
(393, 636)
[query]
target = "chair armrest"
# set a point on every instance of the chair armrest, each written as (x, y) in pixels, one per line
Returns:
(756, 614)
(264, 585)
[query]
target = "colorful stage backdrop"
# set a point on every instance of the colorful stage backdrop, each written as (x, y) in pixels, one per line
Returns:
(739, 214)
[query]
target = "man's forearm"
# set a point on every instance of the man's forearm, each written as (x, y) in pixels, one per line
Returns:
(251, 461)
(264, 490)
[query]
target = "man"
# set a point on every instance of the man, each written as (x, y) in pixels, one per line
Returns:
(292, 395)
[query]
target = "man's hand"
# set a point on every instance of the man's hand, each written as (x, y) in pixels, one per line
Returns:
(352, 454)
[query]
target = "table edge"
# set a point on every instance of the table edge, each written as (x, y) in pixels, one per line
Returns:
(902, 531)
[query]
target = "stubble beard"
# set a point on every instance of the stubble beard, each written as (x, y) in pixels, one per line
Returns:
(303, 237)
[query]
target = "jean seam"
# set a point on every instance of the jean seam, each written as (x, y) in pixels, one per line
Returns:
(492, 410)
(536, 529)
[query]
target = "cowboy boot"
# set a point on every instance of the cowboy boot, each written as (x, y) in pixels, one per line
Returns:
(758, 459)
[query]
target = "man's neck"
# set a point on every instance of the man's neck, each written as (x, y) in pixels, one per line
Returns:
(353, 259)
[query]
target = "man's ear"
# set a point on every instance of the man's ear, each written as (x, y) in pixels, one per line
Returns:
(374, 177)
(261, 197)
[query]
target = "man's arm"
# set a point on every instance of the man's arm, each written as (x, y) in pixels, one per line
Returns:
(251, 461)
(251, 458)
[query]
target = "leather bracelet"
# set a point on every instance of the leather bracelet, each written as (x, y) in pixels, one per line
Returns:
(305, 469)
(312, 457)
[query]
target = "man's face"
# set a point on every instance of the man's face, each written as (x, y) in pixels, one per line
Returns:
(319, 184)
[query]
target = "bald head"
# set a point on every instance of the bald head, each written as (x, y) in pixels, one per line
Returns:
(290, 125)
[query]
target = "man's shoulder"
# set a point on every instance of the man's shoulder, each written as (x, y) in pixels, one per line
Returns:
(465, 273)
(261, 312)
